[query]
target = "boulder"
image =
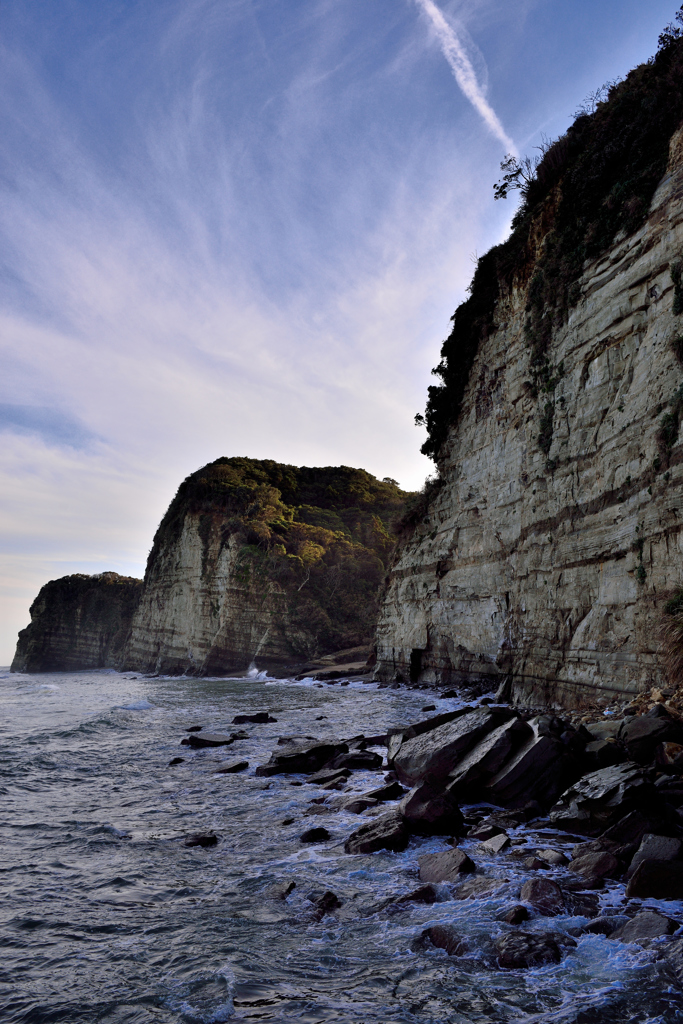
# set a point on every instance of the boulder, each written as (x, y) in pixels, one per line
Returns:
(175, 760)
(654, 847)
(203, 839)
(325, 903)
(355, 760)
(605, 729)
(528, 949)
(535, 864)
(596, 865)
(435, 753)
(431, 810)
(447, 866)
(657, 879)
(487, 757)
(194, 728)
(208, 739)
(230, 769)
(553, 857)
(357, 804)
(603, 753)
(540, 770)
(444, 936)
(544, 896)
(604, 925)
(258, 719)
(496, 843)
(642, 734)
(315, 835)
(674, 961)
(301, 758)
(515, 915)
(646, 925)
(389, 832)
(602, 798)
(485, 831)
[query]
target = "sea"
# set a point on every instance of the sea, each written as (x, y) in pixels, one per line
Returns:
(107, 916)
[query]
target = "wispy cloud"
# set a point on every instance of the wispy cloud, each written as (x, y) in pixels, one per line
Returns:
(464, 73)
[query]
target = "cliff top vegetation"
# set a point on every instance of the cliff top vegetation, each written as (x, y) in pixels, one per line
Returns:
(322, 536)
(587, 186)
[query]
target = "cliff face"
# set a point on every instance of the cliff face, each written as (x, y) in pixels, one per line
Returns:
(260, 561)
(547, 552)
(78, 622)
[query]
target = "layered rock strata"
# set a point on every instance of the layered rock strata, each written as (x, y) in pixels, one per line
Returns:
(547, 571)
(78, 622)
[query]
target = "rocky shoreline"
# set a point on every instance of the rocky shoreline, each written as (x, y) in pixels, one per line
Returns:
(589, 815)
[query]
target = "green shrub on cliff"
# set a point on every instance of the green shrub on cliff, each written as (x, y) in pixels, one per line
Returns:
(322, 536)
(595, 181)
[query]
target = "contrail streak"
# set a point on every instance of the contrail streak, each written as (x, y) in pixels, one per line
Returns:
(464, 73)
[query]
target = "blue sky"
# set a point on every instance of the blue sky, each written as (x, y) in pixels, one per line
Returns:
(240, 227)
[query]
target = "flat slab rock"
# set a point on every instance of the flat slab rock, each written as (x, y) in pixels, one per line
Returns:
(435, 753)
(388, 832)
(301, 758)
(431, 810)
(447, 866)
(210, 739)
(260, 718)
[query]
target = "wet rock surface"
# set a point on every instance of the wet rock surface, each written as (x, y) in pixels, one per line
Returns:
(447, 866)
(527, 949)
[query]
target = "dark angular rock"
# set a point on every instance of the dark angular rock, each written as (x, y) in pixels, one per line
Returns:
(236, 766)
(596, 865)
(391, 792)
(447, 866)
(657, 879)
(527, 949)
(600, 799)
(646, 925)
(258, 719)
(641, 734)
(653, 847)
(434, 753)
(484, 831)
(444, 936)
(605, 925)
(325, 903)
(515, 915)
(496, 844)
(539, 770)
(389, 832)
(329, 775)
(431, 810)
(544, 896)
(356, 760)
(674, 961)
(210, 740)
(288, 821)
(425, 894)
(429, 707)
(536, 864)
(201, 839)
(194, 728)
(176, 760)
(315, 835)
(602, 754)
(304, 758)
(487, 757)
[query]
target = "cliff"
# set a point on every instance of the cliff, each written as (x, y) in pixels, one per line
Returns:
(543, 553)
(78, 622)
(258, 560)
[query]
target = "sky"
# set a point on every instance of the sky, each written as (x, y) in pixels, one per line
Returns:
(240, 227)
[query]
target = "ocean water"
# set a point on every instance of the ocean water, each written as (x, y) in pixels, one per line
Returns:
(107, 916)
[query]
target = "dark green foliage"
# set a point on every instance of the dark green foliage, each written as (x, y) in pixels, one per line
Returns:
(545, 434)
(674, 606)
(670, 422)
(595, 181)
(323, 537)
(417, 506)
(675, 271)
